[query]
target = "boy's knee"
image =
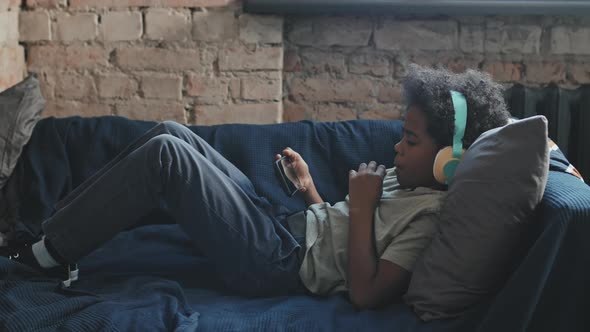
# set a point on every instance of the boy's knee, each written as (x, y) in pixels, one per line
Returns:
(166, 139)
(173, 127)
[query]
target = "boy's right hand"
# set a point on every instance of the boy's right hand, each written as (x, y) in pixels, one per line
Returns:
(300, 167)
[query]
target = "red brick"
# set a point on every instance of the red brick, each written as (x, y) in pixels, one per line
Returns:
(261, 29)
(208, 89)
(238, 113)
(9, 4)
(70, 57)
(214, 26)
(34, 26)
(325, 31)
(504, 71)
(580, 73)
(545, 72)
(372, 64)
(62, 109)
(293, 112)
(382, 112)
(83, 26)
(389, 93)
(151, 110)
(235, 88)
(315, 62)
(291, 61)
(333, 112)
(169, 25)
(46, 3)
(262, 87)
(12, 66)
(334, 90)
(158, 58)
(161, 87)
(9, 28)
(119, 26)
(47, 84)
(75, 86)
(148, 3)
(116, 86)
(243, 59)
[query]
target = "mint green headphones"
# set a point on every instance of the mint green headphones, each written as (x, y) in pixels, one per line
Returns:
(449, 157)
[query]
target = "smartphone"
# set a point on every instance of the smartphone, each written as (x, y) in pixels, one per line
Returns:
(287, 176)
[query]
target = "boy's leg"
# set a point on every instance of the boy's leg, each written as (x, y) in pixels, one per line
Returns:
(252, 252)
(182, 132)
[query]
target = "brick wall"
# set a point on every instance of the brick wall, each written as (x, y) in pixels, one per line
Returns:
(348, 68)
(207, 62)
(193, 61)
(12, 56)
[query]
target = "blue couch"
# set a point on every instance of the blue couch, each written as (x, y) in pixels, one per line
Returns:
(150, 278)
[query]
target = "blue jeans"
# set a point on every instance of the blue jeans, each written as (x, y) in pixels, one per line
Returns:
(172, 168)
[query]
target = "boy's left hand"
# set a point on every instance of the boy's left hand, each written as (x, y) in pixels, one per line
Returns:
(366, 186)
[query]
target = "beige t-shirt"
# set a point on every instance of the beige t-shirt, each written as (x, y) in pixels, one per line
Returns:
(404, 222)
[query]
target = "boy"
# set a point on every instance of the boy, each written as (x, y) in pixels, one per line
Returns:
(365, 245)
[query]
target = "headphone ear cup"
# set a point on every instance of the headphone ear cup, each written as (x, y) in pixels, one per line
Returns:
(445, 165)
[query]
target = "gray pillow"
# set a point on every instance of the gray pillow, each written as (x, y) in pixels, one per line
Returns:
(496, 187)
(20, 110)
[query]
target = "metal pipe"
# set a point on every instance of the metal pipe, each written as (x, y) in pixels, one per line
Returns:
(421, 7)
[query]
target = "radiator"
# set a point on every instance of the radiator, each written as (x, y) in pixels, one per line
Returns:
(568, 113)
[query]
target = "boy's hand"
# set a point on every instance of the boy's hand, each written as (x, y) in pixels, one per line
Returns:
(300, 167)
(366, 186)
(310, 193)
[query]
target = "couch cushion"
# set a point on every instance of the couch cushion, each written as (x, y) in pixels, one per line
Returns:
(494, 192)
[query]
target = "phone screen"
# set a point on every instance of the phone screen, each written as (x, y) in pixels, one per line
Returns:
(287, 176)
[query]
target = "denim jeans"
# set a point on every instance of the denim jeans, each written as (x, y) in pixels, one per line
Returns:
(172, 168)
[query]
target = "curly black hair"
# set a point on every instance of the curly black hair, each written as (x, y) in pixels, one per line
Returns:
(429, 90)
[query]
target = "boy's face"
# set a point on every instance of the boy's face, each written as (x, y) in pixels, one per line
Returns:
(415, 152)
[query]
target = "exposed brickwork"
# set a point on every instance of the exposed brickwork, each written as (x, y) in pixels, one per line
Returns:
(82, 26)
(8, 28)
(208, 90)
(214, 26)
(261, 29)
(34, 26)
(545, 72)
(158, 58)
(151, 110)
(504, 72)
(75, 86)
(74, 108)
(84, 4)
(121, 26)
(161, 87)
(262, 87)
(46, 3)
(417, 35)
(12, 55)
(241, 58)
(208, 62)
(166, 24)
(116, 86)
(331, 31)
(12, 66)
(240, 113)
(67, 57)
(332, 90)
(6, 5)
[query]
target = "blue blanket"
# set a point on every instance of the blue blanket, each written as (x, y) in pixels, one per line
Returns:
(150, 279)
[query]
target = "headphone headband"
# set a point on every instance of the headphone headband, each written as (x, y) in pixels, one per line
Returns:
(460, 107)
